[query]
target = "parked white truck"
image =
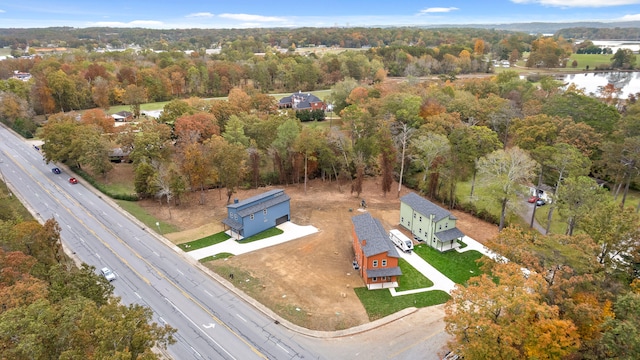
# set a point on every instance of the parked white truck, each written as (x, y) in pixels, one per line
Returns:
(404, 243)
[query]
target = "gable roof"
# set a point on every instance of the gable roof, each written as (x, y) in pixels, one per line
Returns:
(426, 207)
(259, 202)
(449, 234)
(300, 100)
(369, 229)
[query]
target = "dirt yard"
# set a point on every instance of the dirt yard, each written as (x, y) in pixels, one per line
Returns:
(310, 280)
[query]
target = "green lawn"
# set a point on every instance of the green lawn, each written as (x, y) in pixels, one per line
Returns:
(222, 255)
(205, 241)
(10, 206)
(139, 213)
(458, 267)
(262, 235)
(380, 303)
(411, 278)
(592, 60)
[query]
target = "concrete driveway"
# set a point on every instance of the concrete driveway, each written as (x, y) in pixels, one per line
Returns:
(290, 230)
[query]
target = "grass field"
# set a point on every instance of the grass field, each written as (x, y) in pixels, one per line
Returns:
(591, 60)
(380, 303)
(10, 206)
(459, 267)
(411, 278)
(139, 213)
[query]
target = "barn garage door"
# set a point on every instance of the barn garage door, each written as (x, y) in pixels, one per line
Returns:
(282, 219)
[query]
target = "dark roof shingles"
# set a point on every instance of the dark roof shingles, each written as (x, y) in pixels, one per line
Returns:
(370, 229)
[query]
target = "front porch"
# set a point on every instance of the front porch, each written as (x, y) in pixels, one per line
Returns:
(384, 285)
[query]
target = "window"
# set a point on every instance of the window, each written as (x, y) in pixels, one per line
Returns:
(414, 215)
(375, 263)
(402, 219)
(420, 230)
(446, 225)
(420, 218)
(384, 262)
(440, 227)
(374, 279)
(251, 216)
(264, 211)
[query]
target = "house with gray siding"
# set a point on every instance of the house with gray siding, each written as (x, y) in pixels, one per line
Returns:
(258, 213)
(429, 223)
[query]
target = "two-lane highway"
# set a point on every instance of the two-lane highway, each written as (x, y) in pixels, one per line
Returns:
(212, 322)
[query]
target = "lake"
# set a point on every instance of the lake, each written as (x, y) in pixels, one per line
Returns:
(628, 81)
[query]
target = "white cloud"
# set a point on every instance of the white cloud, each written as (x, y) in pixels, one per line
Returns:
(201, 15)
(578, 3)
(252, 18)
(631, 17)
(2, 11)
(438, 10)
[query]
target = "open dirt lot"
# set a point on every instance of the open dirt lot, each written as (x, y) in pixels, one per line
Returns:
(309, 281)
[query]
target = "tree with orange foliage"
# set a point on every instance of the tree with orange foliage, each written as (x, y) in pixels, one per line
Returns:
(100, 119)
(504, 316)
(196, 127)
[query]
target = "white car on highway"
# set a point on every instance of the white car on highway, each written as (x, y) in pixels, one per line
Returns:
(108, 274)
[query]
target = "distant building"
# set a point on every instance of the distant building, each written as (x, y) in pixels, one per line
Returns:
(258, 213)
(22, 76)
(122, 116)
(429, 223)
(376, 258)
(301, 101)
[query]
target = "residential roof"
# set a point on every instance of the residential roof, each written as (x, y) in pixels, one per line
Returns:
(235, 225)
(264, 205)
(449, 234)
(300, 100)
(392, 271)
(426, 207)
(370, 229)
(255, 198)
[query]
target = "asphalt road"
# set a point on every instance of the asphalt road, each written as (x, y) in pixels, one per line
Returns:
(213, 322)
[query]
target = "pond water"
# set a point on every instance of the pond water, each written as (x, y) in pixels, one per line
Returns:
(629, 81)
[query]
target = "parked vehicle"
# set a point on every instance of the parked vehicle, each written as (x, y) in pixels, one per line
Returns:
(540, 202)
(533, 199)
(401, 241)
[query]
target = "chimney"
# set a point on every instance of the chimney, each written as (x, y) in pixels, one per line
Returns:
(235, 201)
(364, 242)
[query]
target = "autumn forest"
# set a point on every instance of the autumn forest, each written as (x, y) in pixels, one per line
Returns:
(425, 108)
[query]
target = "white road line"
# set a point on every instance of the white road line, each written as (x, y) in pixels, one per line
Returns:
(155, 253)
(181, 273)
(199, 328)
(280, 346)
(195, 351)
(98, 256)
(138, 295)
(208, 293)
(241, 318)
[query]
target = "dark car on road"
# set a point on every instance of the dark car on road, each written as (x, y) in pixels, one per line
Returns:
(56, 170)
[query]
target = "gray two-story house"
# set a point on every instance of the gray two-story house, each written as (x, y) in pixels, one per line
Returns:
(429, 223)
(258, 213)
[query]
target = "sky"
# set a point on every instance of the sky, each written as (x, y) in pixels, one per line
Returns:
(181, 14)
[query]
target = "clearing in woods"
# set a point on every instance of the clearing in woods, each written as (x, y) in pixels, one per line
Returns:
(308, 281)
